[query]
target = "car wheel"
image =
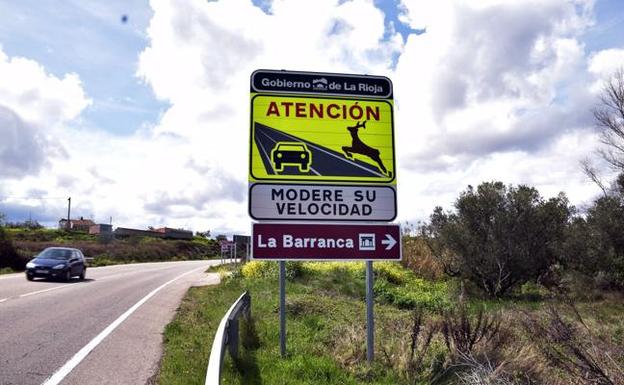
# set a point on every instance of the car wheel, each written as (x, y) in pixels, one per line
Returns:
(68, 276)
(82, 275)
(29, 277)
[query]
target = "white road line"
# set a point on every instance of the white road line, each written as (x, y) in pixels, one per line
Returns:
(3, 299)
(45, 290)
(265, 153)
(61, 373)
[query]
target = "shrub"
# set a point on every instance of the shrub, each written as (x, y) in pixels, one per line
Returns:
(464, 332)
(270, 269)
(499, 237)
(532, 291)
(417, 256)
(413, 294)
(573, 348)
(391, 272)
(8, 255)
(483, 372)
(407, 345)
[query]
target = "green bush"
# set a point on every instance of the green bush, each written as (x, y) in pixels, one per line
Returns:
(416, 293)
(532, 291)
(8, 255)
(270, 269)
(500, 237)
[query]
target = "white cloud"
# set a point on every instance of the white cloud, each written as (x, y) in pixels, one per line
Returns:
(41, 98)
(200, 57)
(603, 64)
(493, 90)
(32, 104)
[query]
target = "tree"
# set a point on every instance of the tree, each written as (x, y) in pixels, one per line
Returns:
(609, 117)
(595, 244)
(204, 234)
(8, 254)
(500, 237)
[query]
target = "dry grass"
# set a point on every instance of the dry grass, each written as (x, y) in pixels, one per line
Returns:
(417, 256)
(574, 348)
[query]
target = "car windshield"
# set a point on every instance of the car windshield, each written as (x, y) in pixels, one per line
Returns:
(291, 147)
(55, 254)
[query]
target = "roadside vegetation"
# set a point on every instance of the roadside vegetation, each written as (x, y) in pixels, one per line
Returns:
(427, 332)
(20, 242)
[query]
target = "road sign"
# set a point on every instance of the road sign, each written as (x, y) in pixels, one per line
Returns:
(309, 127)
(322, 202)
(226, 245)
(318, 128)
(290, 241)
(300, 138)
(241, 240)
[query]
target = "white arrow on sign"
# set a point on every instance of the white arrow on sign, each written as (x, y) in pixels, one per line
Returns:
(389, 241)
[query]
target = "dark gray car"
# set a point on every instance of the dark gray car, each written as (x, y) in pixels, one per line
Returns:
(57, 263)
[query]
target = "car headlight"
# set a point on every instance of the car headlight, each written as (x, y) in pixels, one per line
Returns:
(30, 265)
(59, 266)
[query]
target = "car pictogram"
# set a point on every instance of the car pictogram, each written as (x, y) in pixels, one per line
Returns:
(291, 154)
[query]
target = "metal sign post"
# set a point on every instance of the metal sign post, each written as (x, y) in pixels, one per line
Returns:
(282, 306)
(370, 320)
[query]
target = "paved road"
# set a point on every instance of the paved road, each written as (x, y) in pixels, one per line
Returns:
(325, 162)
(104, 330)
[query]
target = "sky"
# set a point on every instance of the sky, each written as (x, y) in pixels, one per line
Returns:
(139, 110)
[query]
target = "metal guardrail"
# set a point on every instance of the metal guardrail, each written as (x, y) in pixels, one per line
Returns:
(227, 335)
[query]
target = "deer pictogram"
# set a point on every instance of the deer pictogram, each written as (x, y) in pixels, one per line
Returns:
(359, 147)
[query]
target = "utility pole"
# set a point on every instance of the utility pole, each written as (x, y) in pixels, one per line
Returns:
(68, 213)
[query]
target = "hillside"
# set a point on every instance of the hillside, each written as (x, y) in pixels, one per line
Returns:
(28, 242)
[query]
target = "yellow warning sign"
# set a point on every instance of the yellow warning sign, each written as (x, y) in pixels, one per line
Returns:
(321, 139)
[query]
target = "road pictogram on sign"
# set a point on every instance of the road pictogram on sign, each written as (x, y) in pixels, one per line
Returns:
(347, 140)
(291, 154)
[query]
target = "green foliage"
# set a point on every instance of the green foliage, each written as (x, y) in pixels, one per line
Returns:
(531, 291)
(325, 312)
(9, 257)
(399, 286)
(595, 244)
(267, 269)
(394, 284)
(500, 237)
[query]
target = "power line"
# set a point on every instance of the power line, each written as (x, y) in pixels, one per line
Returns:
(2, 198)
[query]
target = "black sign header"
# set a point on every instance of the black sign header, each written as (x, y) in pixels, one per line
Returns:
(367, 86)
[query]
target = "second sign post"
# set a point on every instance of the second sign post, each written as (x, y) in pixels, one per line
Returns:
(321, 153)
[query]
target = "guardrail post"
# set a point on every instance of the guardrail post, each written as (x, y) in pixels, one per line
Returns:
(233, 338)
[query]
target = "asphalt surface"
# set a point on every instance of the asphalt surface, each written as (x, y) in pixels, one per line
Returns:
(45, 325)
(325, 162)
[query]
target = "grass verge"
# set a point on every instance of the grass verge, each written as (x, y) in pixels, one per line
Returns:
(420, 335)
